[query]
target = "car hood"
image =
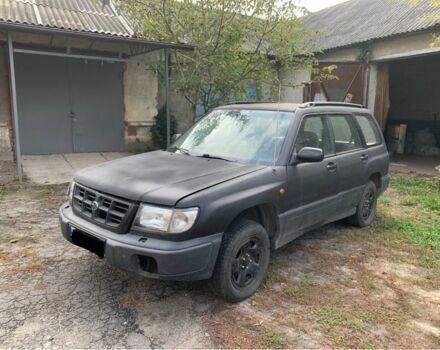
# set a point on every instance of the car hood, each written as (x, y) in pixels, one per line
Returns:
(160, 177)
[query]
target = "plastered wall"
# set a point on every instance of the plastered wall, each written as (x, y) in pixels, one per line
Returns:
(5, 145)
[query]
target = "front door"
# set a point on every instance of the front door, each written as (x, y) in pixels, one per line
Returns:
(311, 187)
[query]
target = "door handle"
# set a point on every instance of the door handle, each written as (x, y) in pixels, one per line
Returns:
(364, 157)
(332, 166)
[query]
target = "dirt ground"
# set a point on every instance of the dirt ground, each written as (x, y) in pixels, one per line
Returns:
(335, 287)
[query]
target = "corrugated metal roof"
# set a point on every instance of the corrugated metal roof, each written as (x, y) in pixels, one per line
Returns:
(359, 21)
(76, 15)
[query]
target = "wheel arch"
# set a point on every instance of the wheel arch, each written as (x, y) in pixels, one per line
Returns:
(265, 214)
(377, 179)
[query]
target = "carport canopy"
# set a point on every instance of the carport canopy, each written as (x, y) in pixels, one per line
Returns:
(56, 42)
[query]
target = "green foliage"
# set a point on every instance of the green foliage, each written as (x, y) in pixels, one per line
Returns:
(424, 233)
(365, 54)
(421, 193)
(237, 43)
(159, 129)
(423, 196)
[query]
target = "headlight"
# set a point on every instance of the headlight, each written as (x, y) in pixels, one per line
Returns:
(156, 219)
(70, 192)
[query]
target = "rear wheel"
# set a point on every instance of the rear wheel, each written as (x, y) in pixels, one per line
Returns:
(366, 209)
(242, 262)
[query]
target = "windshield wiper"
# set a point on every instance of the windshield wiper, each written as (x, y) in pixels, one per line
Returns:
(182, 150)
(208, 156)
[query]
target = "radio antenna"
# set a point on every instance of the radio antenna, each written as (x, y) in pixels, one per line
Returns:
(277, 126)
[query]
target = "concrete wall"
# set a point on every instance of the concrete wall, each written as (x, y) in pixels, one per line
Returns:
(297, 79)
(371, 102)
(5, 145)
(140, 86)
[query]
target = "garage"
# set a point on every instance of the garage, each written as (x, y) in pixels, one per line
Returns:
(414, 114)
(69, 105)
(78, 86)
(389, 61)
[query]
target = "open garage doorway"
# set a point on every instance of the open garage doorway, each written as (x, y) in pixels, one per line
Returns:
(414, 96)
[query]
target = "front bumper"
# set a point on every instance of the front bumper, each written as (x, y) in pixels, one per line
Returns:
(181, 261)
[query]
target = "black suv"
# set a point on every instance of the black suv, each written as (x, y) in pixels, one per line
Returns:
(245, 180)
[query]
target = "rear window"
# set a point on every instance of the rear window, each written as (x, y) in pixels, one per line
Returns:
(369, 129)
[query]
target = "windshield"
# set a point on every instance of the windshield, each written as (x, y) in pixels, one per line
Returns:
(240, 135)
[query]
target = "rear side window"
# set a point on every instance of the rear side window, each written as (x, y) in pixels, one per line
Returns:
(369, 129)
(346, 135)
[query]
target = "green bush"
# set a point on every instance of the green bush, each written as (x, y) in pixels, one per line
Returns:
(159, 129)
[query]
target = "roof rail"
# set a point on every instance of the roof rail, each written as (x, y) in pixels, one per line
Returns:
(247, 102)
(329, 104)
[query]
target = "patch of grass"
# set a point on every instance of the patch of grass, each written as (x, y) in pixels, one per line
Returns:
(408, 202)
(8, 189)
(273, 277)
(384, 201)
(343, 328)
(429, 261)
(332, 317)
(275, 339)
(299, 288)
(368, 344)
(416, 191)
(419, 222)
(426, 234)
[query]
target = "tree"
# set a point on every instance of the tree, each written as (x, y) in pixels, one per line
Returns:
(159, 129)
(237, 43)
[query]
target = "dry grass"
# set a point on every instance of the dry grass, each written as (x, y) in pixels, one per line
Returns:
(346, 287)
(132, 301)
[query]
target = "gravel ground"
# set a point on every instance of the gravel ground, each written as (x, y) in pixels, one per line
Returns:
(335, 287)
(53, 294)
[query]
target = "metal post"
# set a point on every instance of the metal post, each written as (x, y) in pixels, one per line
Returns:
(14, 107)
(167, 95)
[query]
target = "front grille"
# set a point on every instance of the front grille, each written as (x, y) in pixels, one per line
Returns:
(107, 211)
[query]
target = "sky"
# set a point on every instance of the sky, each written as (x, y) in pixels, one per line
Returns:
(316, 5)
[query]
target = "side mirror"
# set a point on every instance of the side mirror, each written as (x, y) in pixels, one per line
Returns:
(175, 137)
(310, 155)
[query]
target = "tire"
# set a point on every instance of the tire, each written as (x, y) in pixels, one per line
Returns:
(242, 262)
(366, 209)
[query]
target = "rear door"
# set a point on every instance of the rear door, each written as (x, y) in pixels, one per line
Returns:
(351, 159)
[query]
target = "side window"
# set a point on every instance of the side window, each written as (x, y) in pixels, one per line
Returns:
(346, 136)
(369, 129)
(314, 133)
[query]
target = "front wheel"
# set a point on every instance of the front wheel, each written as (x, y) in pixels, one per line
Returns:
(242, 263)
(366, 209)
